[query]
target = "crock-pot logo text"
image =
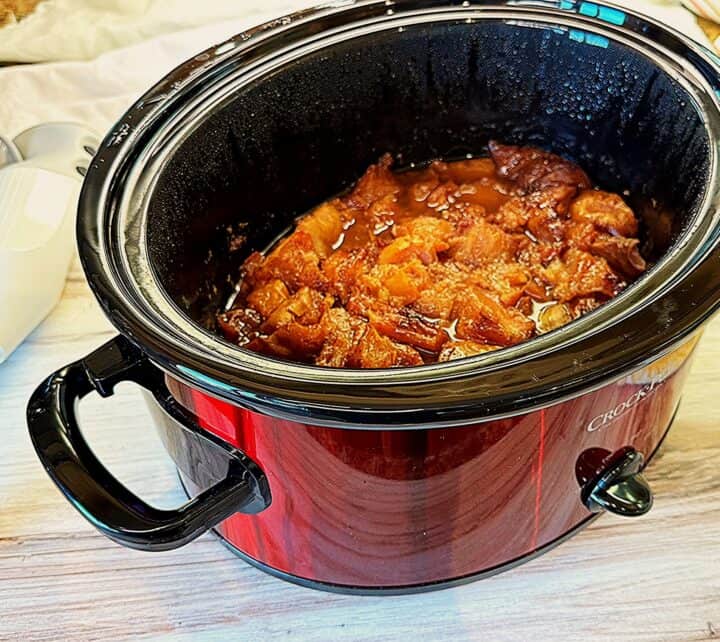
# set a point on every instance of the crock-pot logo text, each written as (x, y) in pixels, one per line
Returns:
(605, 419)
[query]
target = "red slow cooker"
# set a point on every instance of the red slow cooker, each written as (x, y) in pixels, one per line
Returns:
(411, 478)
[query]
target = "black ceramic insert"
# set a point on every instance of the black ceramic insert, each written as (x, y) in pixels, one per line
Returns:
(311, 128)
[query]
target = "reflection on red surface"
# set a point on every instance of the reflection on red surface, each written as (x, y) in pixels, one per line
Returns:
(538, 473)
(385, 508)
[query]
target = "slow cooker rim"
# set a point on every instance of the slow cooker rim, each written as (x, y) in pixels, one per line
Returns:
(323, 404)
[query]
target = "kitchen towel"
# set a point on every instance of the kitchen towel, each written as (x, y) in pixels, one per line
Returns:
(84, 29)
(96, 92)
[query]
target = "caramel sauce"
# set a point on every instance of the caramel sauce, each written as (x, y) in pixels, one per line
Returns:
(437, 263)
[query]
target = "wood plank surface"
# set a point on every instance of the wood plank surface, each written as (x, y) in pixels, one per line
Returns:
(654, 579)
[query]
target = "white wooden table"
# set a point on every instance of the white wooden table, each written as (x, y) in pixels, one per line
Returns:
(653, 579)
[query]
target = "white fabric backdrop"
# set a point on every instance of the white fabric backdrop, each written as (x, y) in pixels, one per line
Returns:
(84, 29)
(95, 92)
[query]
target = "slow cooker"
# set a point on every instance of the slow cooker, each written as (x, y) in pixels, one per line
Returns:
(402, 479)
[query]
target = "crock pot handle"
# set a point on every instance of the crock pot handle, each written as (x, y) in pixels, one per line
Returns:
(87, 484)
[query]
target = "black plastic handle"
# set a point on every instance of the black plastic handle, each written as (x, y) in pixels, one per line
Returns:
(620, 488)
(100, 498)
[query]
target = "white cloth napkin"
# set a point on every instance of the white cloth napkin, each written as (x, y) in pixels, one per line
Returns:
(96, 92)
(84, 29)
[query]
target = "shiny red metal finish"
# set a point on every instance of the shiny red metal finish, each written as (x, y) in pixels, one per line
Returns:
(400, 508)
